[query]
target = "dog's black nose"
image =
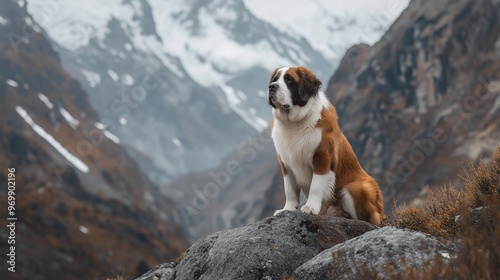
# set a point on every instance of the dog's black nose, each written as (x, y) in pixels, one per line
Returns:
(273, 87)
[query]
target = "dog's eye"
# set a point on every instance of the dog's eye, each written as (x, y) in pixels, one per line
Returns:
(288, 79)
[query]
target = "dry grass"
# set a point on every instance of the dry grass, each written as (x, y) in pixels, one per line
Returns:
(437, 216)
(478, 230)
(116, 278)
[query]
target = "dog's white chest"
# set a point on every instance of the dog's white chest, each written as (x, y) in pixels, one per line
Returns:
(296, 147)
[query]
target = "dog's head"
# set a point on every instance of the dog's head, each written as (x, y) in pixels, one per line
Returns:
(292, 86)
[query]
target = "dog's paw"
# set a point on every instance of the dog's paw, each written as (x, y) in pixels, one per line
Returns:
(279, 211)
(309, 210)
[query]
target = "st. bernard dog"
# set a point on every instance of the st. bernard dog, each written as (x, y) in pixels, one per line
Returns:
(314, 154)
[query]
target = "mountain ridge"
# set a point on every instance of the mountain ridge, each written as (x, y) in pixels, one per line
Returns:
(206, 59)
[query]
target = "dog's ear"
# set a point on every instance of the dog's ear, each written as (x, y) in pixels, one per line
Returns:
(273, 75)
(309, 84)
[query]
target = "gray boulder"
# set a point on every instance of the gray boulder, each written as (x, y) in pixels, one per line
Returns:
(269, 249)
(385, 252)
(161, 272)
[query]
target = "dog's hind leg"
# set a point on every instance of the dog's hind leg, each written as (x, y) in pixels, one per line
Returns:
(362, 200)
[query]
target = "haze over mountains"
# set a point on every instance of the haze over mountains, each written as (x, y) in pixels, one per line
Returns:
(194, 72)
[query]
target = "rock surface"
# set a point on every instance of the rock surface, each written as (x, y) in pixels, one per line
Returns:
(384, 250)
(160, 272)
(269, 249)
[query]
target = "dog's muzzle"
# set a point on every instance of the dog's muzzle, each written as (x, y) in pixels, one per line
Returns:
(273, 98)
(271, 94)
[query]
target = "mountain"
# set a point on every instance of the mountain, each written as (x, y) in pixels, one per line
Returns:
(192, 71)
(330, 26)
(83, 207)
(414, 105)
(176, 81)
(425, 97)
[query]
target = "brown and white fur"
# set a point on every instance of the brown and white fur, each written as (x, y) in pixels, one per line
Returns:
(314, 154)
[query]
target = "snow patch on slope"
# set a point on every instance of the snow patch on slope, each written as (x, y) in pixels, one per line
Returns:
(127, 80)
(177, 142)
(111, 137)
(3, 21)
(74, 123)
(45, 100)
(100, 126)
(12, 83)
(84, 229)
(92, 77)
(108, 134)
(40, 131)
(257, 123)
(113, 75)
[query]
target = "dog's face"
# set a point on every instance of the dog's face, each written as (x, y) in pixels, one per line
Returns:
(292, 86)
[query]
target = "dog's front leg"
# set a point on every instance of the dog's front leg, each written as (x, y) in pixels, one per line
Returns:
(292, 193)
(321, 189)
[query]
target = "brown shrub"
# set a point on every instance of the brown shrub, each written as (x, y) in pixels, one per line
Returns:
(437, 216)
(478, 231)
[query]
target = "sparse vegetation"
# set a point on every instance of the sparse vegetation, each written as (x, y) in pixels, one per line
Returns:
(477, 204)
(115, 278)
(438, 215)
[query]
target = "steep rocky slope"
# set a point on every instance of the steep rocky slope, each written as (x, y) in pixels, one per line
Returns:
(84, 208)
(424, 98)
(294, 245)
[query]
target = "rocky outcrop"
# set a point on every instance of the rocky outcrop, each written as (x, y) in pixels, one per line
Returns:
(385, 252)
(269, 249)
(294, 245)
(161, 272)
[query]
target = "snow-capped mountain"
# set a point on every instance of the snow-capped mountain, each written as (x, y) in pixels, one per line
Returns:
(330, 26)
(182, 83)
